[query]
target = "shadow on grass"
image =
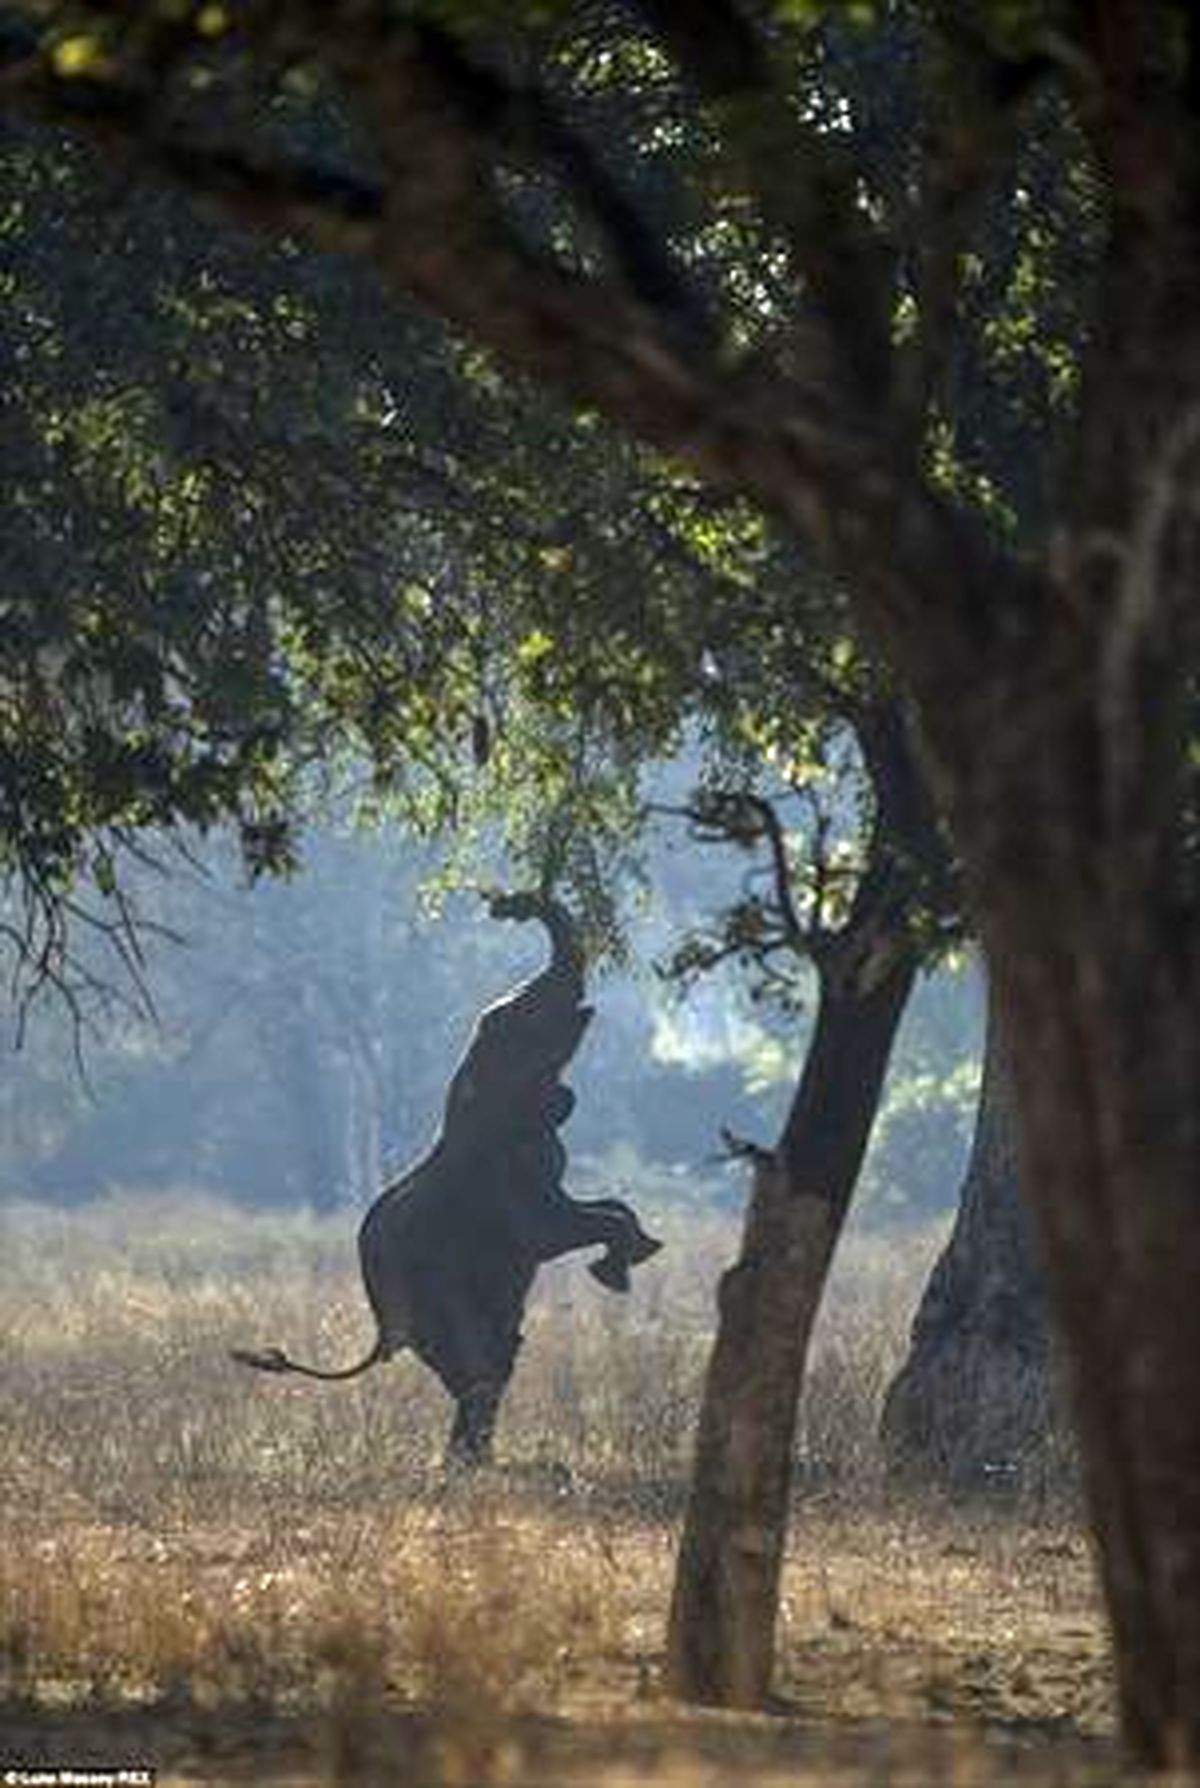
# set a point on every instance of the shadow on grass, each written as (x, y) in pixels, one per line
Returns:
(657, 1741)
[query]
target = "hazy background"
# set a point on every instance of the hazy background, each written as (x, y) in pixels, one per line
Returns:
(304, 1033)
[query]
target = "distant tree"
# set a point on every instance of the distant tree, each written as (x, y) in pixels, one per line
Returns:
(975, 1405)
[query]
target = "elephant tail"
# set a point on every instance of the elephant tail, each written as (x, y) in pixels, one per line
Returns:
(273, 1359)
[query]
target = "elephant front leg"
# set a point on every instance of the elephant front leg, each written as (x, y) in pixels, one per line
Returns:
(624, 1252)
(573, 1223)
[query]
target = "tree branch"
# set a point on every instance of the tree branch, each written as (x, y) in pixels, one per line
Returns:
(744, 818)
(781, 869)
(971, 140)
(805, 182)
(429, 218)
(526, 121)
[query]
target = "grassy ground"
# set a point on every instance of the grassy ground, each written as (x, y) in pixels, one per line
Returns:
(238, 1578)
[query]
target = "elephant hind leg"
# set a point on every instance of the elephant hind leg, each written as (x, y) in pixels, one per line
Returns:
(480, 1342)
(476, 1408)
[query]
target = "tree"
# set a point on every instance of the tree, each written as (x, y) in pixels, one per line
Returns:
(1055, 684)
(857, 924)
(975, 1402)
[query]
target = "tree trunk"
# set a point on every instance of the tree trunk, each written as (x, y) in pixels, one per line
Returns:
(974, 1405)
(1106, 1054)
(720, 1645)
(363, 1172)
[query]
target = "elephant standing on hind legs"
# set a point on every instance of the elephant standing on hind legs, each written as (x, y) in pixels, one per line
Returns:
(449, 1251)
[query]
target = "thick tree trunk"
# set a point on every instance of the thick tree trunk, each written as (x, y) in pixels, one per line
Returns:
(1104, 1020)
(974, 1405)
(720, 1645)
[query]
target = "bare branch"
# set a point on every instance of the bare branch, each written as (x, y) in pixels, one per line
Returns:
(746, 819)
(781, 868)
(741, 1148)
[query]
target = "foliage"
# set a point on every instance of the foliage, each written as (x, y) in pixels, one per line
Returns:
(449, 583)
(565, 605)
(194, 623)
(259, 527)
(169, 577)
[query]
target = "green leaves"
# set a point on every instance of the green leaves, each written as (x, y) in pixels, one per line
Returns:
(806, 14)
(534, 647)
(78, 54)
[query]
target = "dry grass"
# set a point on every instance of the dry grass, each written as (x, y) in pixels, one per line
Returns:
(241, 1578)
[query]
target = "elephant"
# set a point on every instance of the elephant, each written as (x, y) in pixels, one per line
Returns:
(449, 1251)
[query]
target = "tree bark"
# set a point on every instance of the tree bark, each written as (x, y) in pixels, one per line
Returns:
(1106, 1057)
(975, 1405)
(721, 1636)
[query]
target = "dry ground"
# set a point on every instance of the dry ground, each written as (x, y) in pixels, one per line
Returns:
(236, 1578)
